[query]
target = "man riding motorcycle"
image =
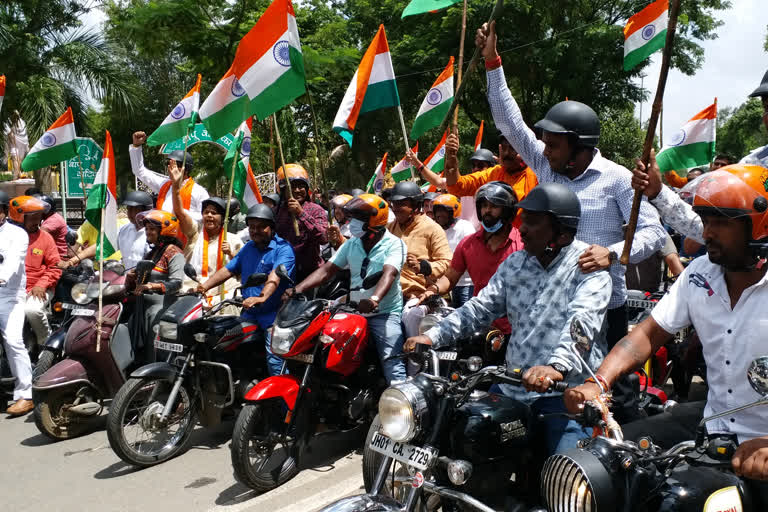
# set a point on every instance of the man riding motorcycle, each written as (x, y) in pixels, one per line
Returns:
(723, 298)
(541, 290)
(371, 249)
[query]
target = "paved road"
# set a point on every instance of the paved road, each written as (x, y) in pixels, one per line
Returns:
(84, 474)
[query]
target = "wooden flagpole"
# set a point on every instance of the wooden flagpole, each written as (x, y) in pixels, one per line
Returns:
(101, 269)
(461, 65)
(320, 158)
(652, 122)
(285, 171)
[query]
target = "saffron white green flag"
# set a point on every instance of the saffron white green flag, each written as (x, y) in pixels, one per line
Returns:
(693, 144)
(376, 182)
(244, 186)
(56, 145)
(102, 202)
(403, 170)
(645, 33)
(2, 90)
(479, 136)
(436, 161)
(436, 104)
(181, 119)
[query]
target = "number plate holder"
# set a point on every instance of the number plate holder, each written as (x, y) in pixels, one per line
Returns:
(83, 312)
(410, 455)
(170, 347)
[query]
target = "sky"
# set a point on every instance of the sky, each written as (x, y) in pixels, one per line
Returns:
(734, 65)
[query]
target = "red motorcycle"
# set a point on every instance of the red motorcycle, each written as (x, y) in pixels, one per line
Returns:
(333, 384)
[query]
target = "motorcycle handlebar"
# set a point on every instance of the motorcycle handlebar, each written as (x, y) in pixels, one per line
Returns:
(515, 376)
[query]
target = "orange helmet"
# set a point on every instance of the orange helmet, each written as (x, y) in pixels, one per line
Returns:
(295, 172)
(22, 205)
(448, 201)
(370, 208)
(340, 200)
(168, 222)
(735, 191)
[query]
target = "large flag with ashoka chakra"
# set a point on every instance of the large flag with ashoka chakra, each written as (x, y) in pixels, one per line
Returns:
(693, 144)
(376, 183)
(436, 104)
(245, 187)
(181, 119)
(645, 33)
(102, 202)
(436, 161)
(372, 87)
(266, 75)
(2, 90)
(56, 145)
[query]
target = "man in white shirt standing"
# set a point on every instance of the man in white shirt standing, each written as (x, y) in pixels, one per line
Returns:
(192, 194)
(723, 297)
(131, 238)
(13, 283)
(447, 211)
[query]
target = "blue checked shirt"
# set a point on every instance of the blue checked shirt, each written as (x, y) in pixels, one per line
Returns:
(540, 305)
(604, 189)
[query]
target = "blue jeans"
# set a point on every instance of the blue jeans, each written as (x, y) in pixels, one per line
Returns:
(461, 294)
(560, 433)
(274, 363)
(386, 332)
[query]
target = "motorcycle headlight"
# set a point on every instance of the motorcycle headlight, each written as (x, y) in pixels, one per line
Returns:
(167, 330)
(402, 411)
(79, 294)
(282, 339)
(577, 481)
(428, 322)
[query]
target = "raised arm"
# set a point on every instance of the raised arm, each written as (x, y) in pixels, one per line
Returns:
(187, 222)
(151, 179)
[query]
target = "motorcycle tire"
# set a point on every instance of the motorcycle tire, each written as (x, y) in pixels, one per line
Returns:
(144, 419)
(257, 429)
(371, 459)
(44, 363)
(52, 421)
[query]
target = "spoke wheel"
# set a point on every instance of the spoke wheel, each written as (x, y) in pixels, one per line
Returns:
(135, 429)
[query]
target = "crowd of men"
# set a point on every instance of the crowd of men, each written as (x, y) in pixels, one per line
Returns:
(528, 241)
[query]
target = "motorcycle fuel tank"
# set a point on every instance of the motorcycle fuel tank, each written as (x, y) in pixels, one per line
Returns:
(350, 338)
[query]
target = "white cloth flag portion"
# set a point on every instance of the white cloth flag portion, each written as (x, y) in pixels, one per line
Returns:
(181, 119)
(102, 202)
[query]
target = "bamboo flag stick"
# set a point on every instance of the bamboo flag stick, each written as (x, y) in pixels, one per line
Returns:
(101, 273)
(405, 135)
(320, 158)
(652, 122)
(461, 64)
(285, 171)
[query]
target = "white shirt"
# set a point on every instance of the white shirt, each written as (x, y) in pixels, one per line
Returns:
(14, 252)
(757, 157)
(155, 181)
(731, 339)
(455, 234)
(132, 244)
(469, 210)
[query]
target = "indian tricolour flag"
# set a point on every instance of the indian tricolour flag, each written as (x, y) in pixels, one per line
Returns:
(266, 75)
(376, 182)
(693, 144)
(102, 202)
(2, 90)
(645, 33)
(436, 104)
(56, 145)
(479, 137)
(436, 161)
(372, 87)
(181, 119)
(245, 187)
(403, 170)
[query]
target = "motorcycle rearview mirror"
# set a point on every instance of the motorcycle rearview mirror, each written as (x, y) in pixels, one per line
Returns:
(114, 266)
(371, 280)
(282, 273)
(495, 340)
(580, 346)
(87, 264)
(425, 268)
(143, 268)
(71, 237)
(190, 272)
(2, 258)
(255, 279)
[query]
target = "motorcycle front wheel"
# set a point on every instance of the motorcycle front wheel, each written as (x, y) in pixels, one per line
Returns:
(262, 457)
(135, 429)
(53, 419)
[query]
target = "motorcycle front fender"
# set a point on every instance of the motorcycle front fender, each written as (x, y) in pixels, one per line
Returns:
(277, 386)
(364, 502)
(64, 373)
(160, 370)
(55, 341)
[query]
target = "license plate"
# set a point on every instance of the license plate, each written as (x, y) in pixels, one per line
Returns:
(414, 456)
(641, 304)
(83, 312)
(447, 356)
(67, 305)
(303, 358)
(170, 347)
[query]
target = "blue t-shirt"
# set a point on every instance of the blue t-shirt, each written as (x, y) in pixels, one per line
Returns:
(249, 260)
(390, 250)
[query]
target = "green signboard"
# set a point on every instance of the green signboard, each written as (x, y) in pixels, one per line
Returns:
(90, 156)
(198, 135)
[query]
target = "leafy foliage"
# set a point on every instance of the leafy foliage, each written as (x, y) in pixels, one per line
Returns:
(741, 130)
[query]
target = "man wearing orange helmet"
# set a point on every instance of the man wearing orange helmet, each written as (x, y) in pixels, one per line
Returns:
(40, 263)
(723, 298)
(371, 249)
(312, 220)
(447, 211)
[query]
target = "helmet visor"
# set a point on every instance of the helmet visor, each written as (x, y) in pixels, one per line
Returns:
(722, 193)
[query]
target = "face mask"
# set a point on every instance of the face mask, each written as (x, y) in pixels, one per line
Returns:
(494, 228)
(356, 228)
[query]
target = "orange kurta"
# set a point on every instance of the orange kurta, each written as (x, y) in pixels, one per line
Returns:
(521, 182)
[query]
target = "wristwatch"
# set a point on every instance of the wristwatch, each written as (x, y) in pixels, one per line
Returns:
(375, 298)
(562, 370)
(613, 257)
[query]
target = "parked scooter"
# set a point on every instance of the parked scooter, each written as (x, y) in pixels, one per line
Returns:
(215, 360)
(70, 396)
(334, 381)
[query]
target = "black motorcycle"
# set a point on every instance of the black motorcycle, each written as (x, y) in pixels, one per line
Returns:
(610, 473)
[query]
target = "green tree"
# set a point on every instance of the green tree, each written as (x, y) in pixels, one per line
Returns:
(741, 130)
(621, 136)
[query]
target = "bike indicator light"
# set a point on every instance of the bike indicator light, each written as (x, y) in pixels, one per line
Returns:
(459, 471)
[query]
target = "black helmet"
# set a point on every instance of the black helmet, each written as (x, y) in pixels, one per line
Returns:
(217, 202)
(275, 198)
(5, 199)
(430, 196)
(261, 211)
(572, 118)
(138, 198)
(762, 89)
(47, 199)
(483, 155)
(356, 192)
(556, 199)
(498, 193)
(178, 155)
(234, 207)
(407, 190)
